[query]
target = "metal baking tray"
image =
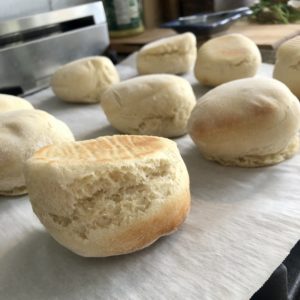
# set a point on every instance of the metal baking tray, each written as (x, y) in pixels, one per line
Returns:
(207, 24)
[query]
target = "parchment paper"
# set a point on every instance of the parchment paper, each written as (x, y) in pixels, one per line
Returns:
(242, 224)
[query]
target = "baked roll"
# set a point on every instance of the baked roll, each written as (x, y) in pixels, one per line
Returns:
(173, 55)
(248, 123)
(10, 103)
(22, 132)
(84, 80)
(109, 196)
(226, 58)
(151, 105)
(287, 66)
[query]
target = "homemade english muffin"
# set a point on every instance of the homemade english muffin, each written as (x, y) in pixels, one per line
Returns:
(22, 132)
(248, 122)
(84, 80)
(173, 55)
(226, 58)
(9, 103)
(287, 66)
(111, 195)
(151, 104)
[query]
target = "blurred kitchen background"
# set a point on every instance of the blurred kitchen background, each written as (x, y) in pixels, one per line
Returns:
(57, 37)
(155, 11)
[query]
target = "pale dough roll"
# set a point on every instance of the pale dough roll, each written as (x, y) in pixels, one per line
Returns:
(84, 80)
(248, 122)
(109, 196)
(151, 104)
(173, 55)
(22, 132)
(287, 66)
(9, 103)
(226, 58)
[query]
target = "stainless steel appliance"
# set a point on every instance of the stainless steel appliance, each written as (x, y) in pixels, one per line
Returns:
(32, 48)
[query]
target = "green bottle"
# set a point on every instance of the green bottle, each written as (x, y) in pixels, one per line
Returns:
(123, 17)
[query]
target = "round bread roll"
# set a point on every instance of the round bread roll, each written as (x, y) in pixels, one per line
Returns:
(248, 122)
(109, 196)
(287, 66)
(151, 105)
(174, 55)
(226, 58)
(9, 103)
(84, 80)
(22, 132)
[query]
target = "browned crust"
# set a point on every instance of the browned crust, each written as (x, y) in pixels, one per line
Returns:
(104, 149)
(148, 231)
(17, 191)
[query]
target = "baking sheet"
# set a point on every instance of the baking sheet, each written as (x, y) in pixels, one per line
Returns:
(242, 224)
